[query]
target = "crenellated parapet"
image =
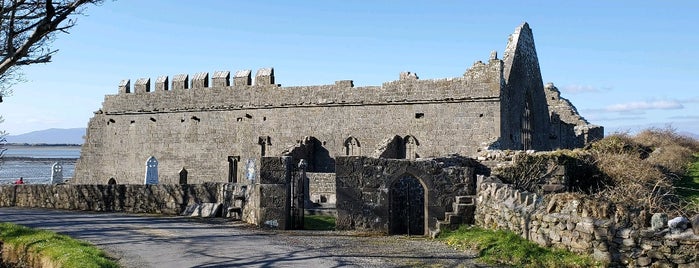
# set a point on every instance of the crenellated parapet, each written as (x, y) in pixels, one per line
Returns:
(242, 78)
(221, 79)
(161, 83)
(142, 85)
(263, 77)
(125, 86)
(184, 92)
(200, 80)
(180, 82)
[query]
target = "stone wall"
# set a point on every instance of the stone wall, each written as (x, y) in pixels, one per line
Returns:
(585, 226)
(367, 191)
(118, 145)
(160, 199)
(565, 120)
(321, 187)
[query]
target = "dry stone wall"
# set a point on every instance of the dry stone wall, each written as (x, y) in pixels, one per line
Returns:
(586, 226)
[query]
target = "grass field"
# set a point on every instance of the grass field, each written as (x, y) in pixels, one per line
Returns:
(507, 248)
(688, 186)
(61, 249)
(318, 222)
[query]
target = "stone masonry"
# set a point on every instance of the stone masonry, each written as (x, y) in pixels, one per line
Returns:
(218, 131)
(585, 226)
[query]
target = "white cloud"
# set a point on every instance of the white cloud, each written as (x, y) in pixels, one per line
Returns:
(645, 105)
(577, 89)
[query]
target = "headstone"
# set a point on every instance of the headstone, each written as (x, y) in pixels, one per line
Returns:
(151, 171)
(56, 173)
(658, 221)
(678, 225)
(250, 170)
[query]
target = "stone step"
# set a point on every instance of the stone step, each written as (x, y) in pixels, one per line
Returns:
(461, 209)
(452, 218)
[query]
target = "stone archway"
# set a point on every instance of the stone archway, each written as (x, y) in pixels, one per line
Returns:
(407, 206)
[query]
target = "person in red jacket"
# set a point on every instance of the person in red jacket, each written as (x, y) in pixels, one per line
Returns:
(20, 181)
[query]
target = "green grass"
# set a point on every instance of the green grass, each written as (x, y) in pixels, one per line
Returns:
(688, 186)
(319, 222)
(507, 248)
(61, 249)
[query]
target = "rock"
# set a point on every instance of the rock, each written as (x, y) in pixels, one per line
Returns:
(677, 225)
(657, 221)
(643, 261)
(210, 210)
(695, 224)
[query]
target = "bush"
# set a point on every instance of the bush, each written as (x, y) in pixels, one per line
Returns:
(643, 170)
(637, 173)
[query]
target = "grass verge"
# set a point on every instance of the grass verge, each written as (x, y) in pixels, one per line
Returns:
(688, 186)
(60, 249)
(507, 248)
(319, 222)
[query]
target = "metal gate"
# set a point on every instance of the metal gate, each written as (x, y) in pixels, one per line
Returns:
(407, 206)
(298, 185)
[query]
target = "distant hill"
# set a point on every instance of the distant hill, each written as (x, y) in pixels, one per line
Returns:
(689, 134)
(50, 136)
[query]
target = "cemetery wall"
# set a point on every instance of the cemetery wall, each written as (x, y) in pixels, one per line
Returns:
(159, 199)
(587, 226)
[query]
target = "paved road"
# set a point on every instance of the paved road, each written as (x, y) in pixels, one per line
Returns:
(148, 241)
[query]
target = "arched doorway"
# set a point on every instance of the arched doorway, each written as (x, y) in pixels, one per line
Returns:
(407, 206)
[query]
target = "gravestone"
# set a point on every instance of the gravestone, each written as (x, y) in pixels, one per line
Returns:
(250, 170)
(151, 171)
(56, 173)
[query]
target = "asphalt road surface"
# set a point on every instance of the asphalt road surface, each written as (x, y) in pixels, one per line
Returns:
(155, 241)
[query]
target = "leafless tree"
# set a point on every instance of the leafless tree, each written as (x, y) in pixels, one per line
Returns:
(27, 28)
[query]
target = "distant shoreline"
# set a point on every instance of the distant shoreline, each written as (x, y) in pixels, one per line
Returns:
(39, 159)
(44, 144)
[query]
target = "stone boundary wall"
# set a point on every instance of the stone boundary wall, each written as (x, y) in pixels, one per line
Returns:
(160, 199)
(321, 187)
(583, 226)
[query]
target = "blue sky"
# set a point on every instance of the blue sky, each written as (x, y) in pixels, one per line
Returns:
(624, 64)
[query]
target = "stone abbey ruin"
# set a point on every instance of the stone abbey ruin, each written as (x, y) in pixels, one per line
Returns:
(217, 131)
(408, 157)
(395, 158)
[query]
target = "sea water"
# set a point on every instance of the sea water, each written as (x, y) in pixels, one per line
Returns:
(33, 163)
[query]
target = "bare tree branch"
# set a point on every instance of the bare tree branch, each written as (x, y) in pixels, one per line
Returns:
(26, 27)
